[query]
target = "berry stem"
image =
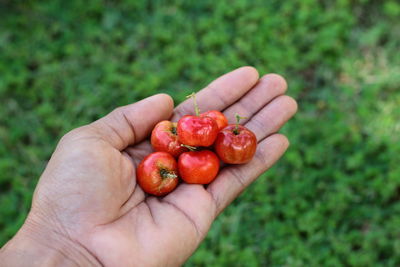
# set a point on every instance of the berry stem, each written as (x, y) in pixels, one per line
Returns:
(173, 130)
(191, 148)
(167, 174)
(238, 118)
(196, 107)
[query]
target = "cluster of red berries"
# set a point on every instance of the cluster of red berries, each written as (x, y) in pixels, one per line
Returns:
(192, 141)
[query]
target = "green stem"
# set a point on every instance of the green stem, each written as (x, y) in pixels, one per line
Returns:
(191, 148)
(196, 107)
(167, 174)
(238, 118)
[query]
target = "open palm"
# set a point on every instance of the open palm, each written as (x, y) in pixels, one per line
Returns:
(88, 197)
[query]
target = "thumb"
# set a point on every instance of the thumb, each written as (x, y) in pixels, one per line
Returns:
(130, 124)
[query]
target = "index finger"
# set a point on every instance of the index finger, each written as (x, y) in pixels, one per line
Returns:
(220, 93)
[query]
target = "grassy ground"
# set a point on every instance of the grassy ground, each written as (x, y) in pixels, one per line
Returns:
(334, 198)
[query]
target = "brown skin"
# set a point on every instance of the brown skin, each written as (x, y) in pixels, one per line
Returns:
(87, 209)
(235, 144)
(157, 174)
(164, 138)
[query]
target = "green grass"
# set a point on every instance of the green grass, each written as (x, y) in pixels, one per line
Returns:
(333, 200)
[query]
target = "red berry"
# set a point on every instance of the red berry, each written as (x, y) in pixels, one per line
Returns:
(164, 138)
(219, 118)
(157, 174)
(235, 144)
(198, 167)
(197, 131)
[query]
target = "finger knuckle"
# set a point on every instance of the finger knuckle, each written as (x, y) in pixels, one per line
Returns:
(74, 134)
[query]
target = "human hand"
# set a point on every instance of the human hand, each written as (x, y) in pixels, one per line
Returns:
(88, 210)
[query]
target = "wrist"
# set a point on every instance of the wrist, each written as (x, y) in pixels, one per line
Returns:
(35, 246)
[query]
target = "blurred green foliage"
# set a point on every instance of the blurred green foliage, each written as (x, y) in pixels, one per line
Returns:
(333, 200)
